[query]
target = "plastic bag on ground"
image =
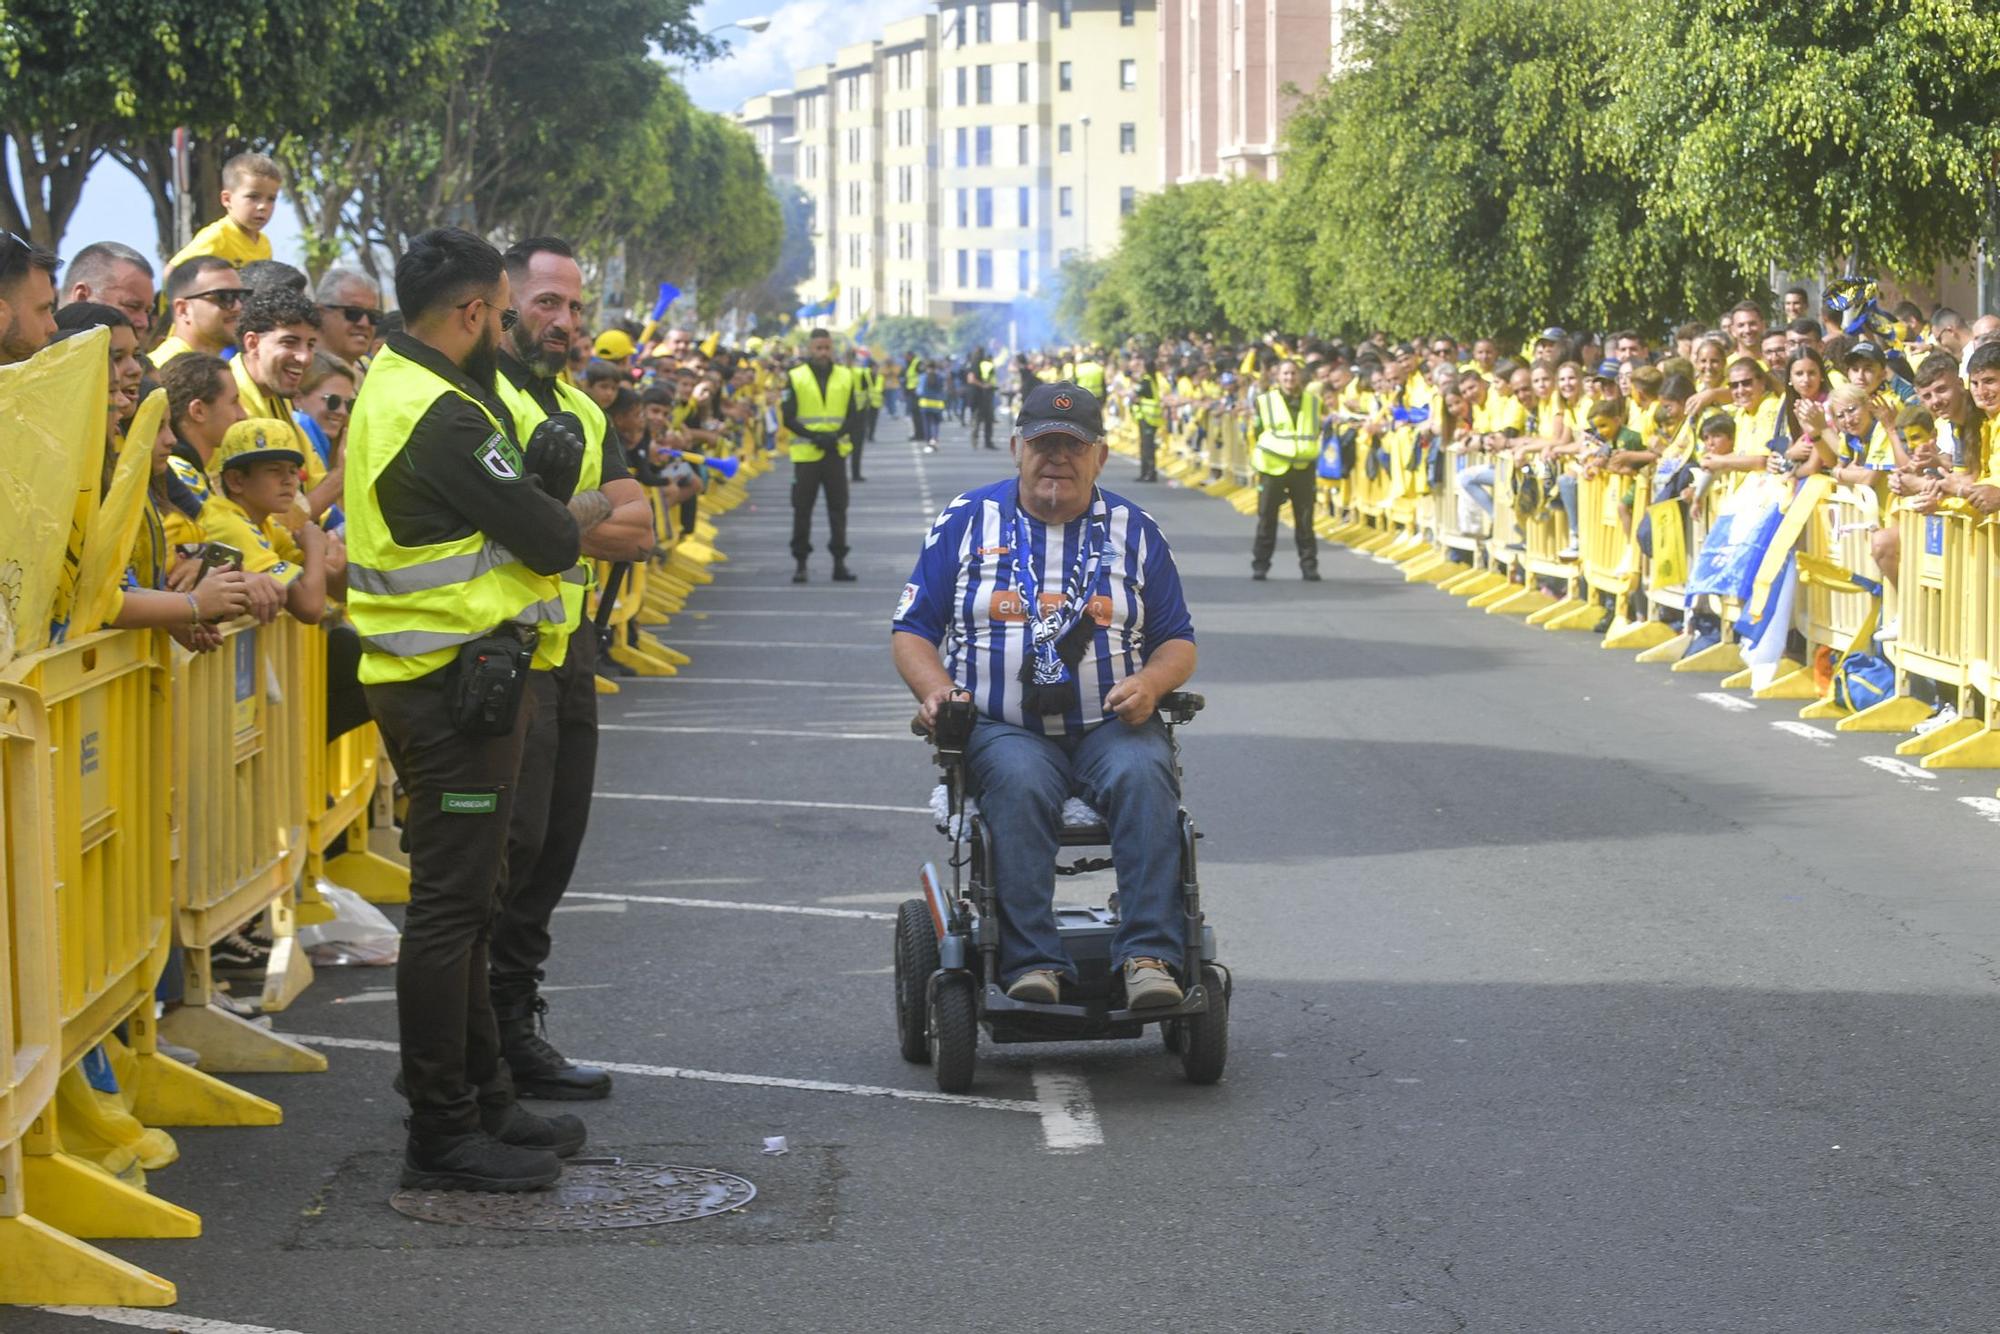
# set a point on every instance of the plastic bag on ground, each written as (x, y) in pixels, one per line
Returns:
(358, 936)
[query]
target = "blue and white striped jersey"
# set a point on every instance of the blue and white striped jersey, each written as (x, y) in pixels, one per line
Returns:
(961, 596)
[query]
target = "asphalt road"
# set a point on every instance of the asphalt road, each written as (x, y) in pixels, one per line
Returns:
(1567, 1000)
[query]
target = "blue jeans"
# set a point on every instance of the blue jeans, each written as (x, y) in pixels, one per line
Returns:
(1477, 482)
(1127, 773)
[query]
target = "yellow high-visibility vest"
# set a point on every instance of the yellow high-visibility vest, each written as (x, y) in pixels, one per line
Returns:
(818, 413)
(1289, 440)
(552, 638)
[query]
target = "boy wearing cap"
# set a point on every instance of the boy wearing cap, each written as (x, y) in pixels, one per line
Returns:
(256, 476)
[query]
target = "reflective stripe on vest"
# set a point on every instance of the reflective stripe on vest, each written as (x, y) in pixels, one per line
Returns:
(817, 413)
(411, 606)
(552, 638)
(1287, 441)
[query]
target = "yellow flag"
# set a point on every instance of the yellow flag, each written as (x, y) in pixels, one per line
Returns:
(1670, 557)
(52, 418)
(107, 546)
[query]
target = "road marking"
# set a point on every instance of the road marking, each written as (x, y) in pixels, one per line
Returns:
(1989, 807)
(590, 907)
(687, 880)
(797, 909)
(1069, 1119)
(762, 801)
(877, 896)
(748, 731)
(167, 1320)
(1902, 771)
(727, 1077)
(821, 685)
(698, 641)
(383, 995)
(1819, 736)
(1722, 701)
(772, 611)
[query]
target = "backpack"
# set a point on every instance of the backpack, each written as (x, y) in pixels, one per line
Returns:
(1862, 681)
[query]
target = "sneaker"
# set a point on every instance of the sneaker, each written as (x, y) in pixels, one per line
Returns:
(799, 575)
(236, 954)
(173, 1051)
(1945, 716)
(1310, 576)
(560, 1135)
(1260, 575)
(1149, 984)
(841, 574)
(1891, 630)
(1040, 987)
(1568, 553)
(475, 1161)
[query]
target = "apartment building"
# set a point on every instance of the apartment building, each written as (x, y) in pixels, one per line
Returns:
(909, 140)
(855, 92)
(1103, 120)
(812, 109)
(773, 127)
(1225, 67)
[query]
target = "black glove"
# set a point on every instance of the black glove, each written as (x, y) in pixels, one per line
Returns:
(555, 454)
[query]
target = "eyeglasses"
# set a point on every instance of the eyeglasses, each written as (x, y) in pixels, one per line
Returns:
(225, 297)
(356, 314)
(1741, 384)
(335, 402)
(508, 317)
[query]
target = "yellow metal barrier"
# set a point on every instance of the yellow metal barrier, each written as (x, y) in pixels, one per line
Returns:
(346, 778)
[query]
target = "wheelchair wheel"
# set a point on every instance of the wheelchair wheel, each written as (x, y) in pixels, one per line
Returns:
(1172, 1037)
(916, 959)
(954, 1034)
(1204, 1046)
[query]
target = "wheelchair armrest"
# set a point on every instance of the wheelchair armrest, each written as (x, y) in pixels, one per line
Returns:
(953, 728)
(1181, 706)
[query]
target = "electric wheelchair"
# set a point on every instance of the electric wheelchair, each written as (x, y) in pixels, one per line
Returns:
(948, 941)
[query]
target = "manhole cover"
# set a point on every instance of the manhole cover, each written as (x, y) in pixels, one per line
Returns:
(592, 1195)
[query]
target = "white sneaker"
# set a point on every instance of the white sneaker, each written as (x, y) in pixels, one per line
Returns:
(1148, 983)
(1891, 630)
(1043, 986)
(1945, 716)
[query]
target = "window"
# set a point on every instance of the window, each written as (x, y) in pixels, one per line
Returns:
(962, 77)
(1021, 148)
(1065, 10)
(854, 145)
(985, 266)
(964, 270)
(1021, 21)
(983, 206)
(982, 146)
(903, 70)
(1128, 138)
(904, 186)
(854, 198)
(964, 158)
(1023, 193)
(903, 125)
(958, 28)
(1021, 82)
(1128, 74)
(1128, 197)
(903, 240)
(1066, 202)
(1021, 281)
(852, 86)
(983, 82)
(964, 208)
(1125, 16)
(1062, 138)
(982, 20)
(1062, 76)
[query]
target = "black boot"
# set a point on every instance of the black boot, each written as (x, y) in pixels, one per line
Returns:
(799, 574)
(516, 1125)
(475, 1161)
(841, 574)
(539, 1070)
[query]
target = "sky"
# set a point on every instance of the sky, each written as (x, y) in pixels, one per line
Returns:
(802, 32)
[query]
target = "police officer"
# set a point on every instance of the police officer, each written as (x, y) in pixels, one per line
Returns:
(822, 410)
(1149, 407)
(1089, 373)
(559, 752)
(979, 379)
(452, 541)
(1286, 455)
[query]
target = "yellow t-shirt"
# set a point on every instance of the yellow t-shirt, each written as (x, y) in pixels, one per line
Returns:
(1755, 428)
(1499, 413)
(268, 548)
(173, 346)
(256, 403)
(225, 239)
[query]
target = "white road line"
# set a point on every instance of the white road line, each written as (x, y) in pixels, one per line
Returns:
(1819, 736)
(1722, 701)
(762, 801)
(727, 1077)
(798, 909)
(1988, 807)
(1069, 1119)
(1902, 771)
(133, 1318)
(590, 907)
(384, 995)
(767, 611)
(685, 880)
(820, 685)
(750, 731)
(700, 642)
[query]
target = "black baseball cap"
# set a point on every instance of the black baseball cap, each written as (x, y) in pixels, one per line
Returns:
(1867, 351)
(1060, 408)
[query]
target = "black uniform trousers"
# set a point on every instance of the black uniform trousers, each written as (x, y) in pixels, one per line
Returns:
(1297, 486)
(982, 415)
(916, 415)
(551, 812)
(808, 479)
(461, 798)
(1149, 448)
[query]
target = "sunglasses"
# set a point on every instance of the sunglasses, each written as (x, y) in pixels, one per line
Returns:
(335, 402)
(357, 314)
(225, 297)
(1741, 384)
(508, 317)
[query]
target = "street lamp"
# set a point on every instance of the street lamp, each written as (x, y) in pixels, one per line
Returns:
(1084, 121)
(756, 23)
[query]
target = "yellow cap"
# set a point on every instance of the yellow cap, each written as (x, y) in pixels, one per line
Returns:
(615, 345)
(254, 440)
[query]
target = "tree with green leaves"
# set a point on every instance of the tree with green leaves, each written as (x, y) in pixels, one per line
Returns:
(908, 335)
(1161, 260)
(1814, 132)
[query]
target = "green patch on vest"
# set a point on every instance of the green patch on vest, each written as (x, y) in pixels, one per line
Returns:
(501, 457)
(471, 803)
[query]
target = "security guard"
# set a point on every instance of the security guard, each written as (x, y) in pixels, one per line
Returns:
(559, 754)
(1089, 373)
(980, 380)
(822, 410)
(1286, 457)
(452, 541)
(1147, 394)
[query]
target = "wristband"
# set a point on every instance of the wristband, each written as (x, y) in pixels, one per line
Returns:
(194, 611)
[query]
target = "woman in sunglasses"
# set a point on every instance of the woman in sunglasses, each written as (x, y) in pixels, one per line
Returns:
(325, 398)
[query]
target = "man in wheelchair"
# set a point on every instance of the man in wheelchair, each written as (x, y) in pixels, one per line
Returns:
(1056, 607)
